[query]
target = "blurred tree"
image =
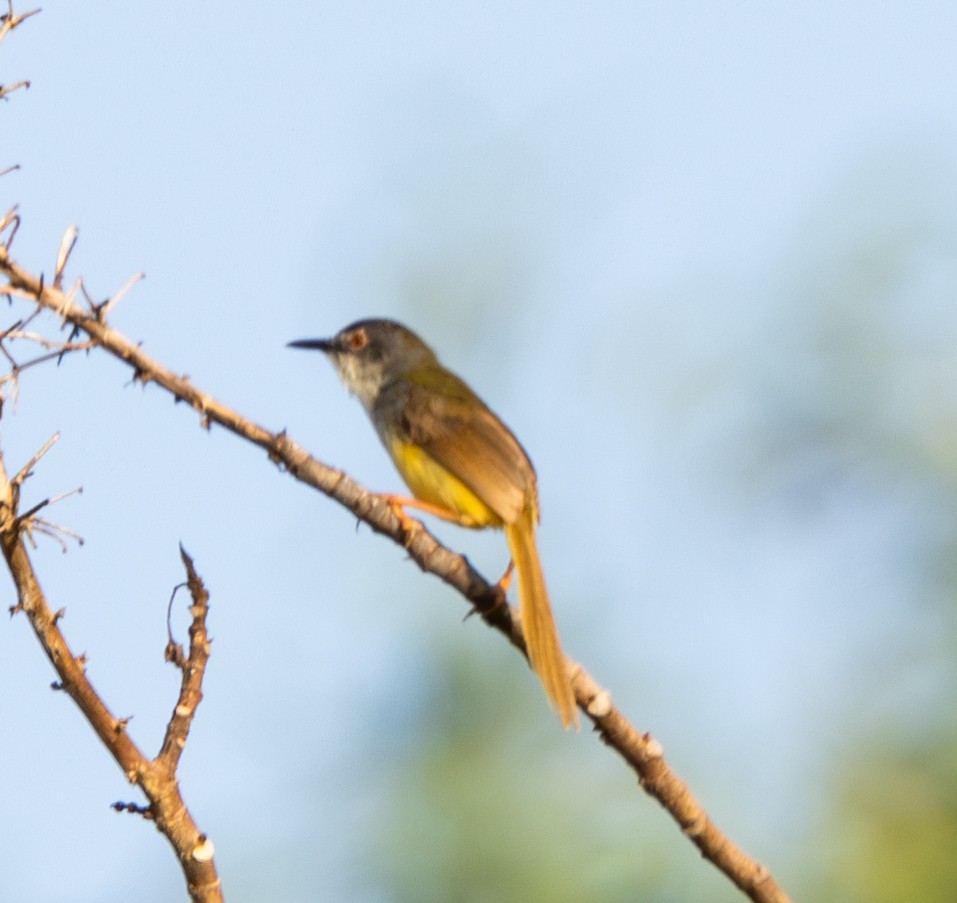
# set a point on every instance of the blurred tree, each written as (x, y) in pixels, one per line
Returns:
(892, 833)
(467, 820)
(876, 409)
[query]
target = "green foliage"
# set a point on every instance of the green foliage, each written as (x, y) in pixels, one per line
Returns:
(894, 827)
(498, 804)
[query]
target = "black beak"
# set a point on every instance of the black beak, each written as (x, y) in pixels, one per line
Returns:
(325, 345)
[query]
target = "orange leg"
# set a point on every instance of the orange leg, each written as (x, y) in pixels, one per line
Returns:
(505, 581)
(398, 503)
(398, 509)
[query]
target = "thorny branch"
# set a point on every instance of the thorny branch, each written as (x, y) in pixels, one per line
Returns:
(10, 20)
(9, 89)
(55, 350)
(156, 777)
(640, 750)
(192, 666)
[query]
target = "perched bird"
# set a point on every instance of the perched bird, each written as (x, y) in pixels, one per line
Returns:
(460, 461)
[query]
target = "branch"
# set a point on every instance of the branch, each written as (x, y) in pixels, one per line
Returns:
(193, 667)
(641, 751)
(8, 89)
(157, 777)
(10, 20)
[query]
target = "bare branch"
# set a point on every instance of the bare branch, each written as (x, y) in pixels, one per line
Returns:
(157, 777)
(10, 382)
(27, 470)
(30, 523)
(641, 751)
(59, 347)
(9, 89)
(10, 20)
(193, 669)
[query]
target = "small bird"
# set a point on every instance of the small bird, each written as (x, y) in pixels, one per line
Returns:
(460, 462)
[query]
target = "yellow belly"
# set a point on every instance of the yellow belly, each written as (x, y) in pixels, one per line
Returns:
(432, 483)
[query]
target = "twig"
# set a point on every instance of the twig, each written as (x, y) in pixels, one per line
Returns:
(110, 303)
(27, 470)
(67, 244)
(156, 777)
(31, 524)
(39, 506)
(10, 218)
(9, 20)
(9, 89)
(641, 751)
(15, 331)
(59, 347)
(193, 669)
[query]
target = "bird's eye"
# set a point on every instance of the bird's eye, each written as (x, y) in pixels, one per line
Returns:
(358, 340)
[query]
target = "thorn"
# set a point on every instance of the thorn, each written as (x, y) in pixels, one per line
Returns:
(32, 524)
(108, 305)
(27, 469)
(133, 809)
(10, 218)
(63, 255)
(67, 303)
(86, 295)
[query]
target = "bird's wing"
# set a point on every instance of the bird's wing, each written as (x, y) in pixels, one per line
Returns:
(445, 418)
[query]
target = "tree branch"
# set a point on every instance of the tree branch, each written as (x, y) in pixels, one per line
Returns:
(193, 668)
(10, 20)
(640, 750)
(157, 777)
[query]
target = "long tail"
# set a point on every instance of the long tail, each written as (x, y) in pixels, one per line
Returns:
(541, 634)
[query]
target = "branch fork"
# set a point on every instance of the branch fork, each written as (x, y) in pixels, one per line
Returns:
(155, 777)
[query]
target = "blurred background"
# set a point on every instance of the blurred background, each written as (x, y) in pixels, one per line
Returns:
(701, 257)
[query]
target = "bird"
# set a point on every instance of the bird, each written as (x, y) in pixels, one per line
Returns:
(460, 462)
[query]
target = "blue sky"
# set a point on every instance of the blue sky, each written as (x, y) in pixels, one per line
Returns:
(634, 229)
